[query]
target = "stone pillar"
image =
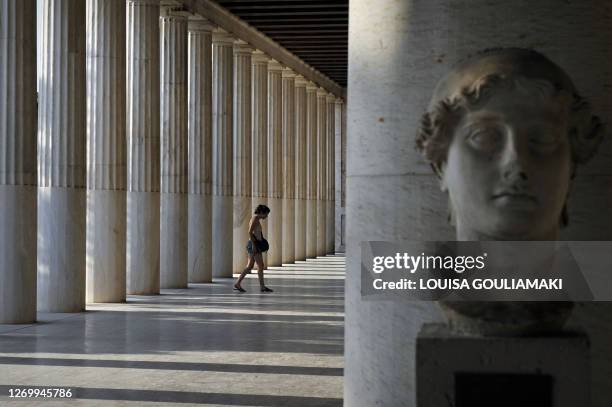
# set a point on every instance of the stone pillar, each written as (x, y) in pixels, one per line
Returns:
(260, 135)
(242, 151)
(61, 158)
(106, 150)
(392, 194)
(173, 198)
(200, 152)
(288, 166)
(330, 138)
(321, 162)
(339, 176)
(17, 161)
(311, 170)
(143, 154)
(301, 166)
(275, 163)
(222, 153)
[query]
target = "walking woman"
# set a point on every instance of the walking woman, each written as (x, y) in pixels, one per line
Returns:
(256, 246)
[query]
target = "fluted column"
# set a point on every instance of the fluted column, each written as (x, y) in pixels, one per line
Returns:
(17, 161)
(260, 135)
(330, 139)
(200, 152)
(275, 163)
(321, 196)
(106, 150)
(339, 176)
(61, 158)
(222, 176)
(311, 170)
(288, 166)
(143, 153)
(301, 166)
(242, 151)
(173, 197)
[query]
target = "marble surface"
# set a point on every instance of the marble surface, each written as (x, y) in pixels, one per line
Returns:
(205, 345)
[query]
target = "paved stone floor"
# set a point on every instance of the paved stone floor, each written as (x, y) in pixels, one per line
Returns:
(205, 345)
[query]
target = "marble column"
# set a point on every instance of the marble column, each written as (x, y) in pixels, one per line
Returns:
(311, 170)
(106, 150)
(301, 166)
(222, 153)
(143, 154)
(288, 166)
(321, 160)
(260, 136)
(61, 158)
(340, 175)
(330, 139)
(392, 194)
(173, 197)
(275, 163)
(200, 152)
(18, 193)
(242, 151)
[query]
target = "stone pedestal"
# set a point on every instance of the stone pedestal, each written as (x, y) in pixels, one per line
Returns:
(143, 154)
(200, 152)
(61, 158)
(222, 153)
(311, 171)
(173, 197)
(275, 163)
(288, 166)
(106, 155)
(243, 134)
(459, 370)
(301, 165)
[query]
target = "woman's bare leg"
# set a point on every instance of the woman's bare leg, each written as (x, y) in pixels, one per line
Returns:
(260, 271)
(247, 270)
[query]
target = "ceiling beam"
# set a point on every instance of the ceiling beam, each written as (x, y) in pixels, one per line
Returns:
(240, 29)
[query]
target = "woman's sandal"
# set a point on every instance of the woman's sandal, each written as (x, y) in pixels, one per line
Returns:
(266, 290)
(242, 290)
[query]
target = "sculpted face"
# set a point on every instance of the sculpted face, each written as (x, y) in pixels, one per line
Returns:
(504, 132)
(509, 166)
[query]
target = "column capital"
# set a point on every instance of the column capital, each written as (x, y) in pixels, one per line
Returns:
(274, 65)
(311, 87)
(146, 2)
(198, 24)
(288, 73)
(173, 9)
(321, 92)
(331, 98)
(300, 81)
(259, 57)
(220, 36)
(242, 47)
(339, 101)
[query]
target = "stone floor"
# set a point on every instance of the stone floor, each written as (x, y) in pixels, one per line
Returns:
(205, 345)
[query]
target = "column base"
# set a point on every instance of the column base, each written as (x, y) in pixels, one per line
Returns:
(106, 213)
(17, 254)
(200, 239)
(240, 231)
(143, 228)
(311, 228)
(275, 232)
(330, 223)
(321, 227)
(288, 231)
(61, 249)
(173, 240)
(222, 236)
(300, 229)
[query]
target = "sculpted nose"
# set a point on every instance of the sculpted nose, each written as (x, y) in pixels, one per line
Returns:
(513, 169)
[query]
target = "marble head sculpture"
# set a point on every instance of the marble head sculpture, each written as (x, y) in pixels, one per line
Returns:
(505, 131)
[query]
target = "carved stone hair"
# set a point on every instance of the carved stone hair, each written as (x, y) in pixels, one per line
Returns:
(535, 75)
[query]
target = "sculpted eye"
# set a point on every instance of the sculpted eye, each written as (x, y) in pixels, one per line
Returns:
(544, 141)
(484, 138)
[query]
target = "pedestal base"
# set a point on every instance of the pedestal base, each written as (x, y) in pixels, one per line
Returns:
(462, 370)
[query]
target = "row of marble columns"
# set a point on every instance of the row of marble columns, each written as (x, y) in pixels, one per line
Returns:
(155, 141)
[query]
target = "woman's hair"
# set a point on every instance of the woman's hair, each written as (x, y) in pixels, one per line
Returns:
(262, 210)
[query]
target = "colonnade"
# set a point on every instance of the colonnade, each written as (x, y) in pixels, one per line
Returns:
(158, 133)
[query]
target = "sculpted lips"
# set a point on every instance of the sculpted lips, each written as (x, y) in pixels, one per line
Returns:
(515, 199)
